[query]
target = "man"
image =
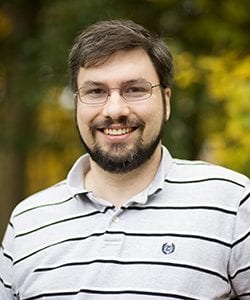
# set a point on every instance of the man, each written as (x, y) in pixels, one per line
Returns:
(129, 222)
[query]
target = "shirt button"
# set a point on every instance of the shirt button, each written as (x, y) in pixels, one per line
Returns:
(116, 219)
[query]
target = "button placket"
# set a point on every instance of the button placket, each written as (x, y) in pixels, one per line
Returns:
(113, 226)
(115, 218)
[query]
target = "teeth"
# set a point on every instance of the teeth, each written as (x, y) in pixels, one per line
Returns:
(119, 131)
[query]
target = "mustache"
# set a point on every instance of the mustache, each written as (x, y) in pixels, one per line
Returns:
(124, 121)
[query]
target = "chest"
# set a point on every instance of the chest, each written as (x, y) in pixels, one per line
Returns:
(155, 249)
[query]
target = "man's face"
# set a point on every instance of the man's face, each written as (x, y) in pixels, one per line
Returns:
(120, 136)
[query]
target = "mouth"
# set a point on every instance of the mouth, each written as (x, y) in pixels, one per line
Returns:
(121, 130)
(117, 131)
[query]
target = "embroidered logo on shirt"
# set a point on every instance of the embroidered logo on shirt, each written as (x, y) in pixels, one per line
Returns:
(168, 248)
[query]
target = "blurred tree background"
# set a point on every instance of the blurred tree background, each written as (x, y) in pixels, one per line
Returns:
(210, 98)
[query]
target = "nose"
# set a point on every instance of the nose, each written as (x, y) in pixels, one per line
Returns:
(116, 106)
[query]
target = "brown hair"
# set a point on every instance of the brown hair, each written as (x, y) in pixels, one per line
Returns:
(100, 40)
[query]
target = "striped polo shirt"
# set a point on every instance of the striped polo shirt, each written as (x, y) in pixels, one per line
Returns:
(186, 236)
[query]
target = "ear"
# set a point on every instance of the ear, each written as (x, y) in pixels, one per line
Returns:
(167, 92)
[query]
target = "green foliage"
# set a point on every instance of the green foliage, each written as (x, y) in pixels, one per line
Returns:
(223, 105)
(210, 102)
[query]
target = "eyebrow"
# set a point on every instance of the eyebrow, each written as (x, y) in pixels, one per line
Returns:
(138, 80)
(91, 83)
(96, 83)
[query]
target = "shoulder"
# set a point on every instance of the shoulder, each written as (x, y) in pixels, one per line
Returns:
(202, 182)
(49, 196)
(187, 170)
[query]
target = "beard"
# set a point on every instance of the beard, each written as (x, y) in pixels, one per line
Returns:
(124, 160)
(120, 160)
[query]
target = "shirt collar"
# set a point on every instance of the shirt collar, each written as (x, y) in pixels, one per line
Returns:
(165, 165)
(75, 178)
(157, 183)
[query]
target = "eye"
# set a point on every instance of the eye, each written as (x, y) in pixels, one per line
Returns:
(134, 89)
(95, 91)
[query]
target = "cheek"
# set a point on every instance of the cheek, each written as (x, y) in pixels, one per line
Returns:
(156, 122)
(84, 116)
(154, 116)
(82, 120)
(79, 118)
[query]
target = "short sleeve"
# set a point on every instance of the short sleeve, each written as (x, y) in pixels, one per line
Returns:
(6, 265)
(239, 265)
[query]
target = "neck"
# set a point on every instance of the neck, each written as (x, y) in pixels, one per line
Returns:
(119, 188)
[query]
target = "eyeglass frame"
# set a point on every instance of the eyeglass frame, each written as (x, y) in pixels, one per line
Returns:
(77, 94)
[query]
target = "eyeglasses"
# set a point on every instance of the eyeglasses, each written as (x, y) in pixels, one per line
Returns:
(96, 94)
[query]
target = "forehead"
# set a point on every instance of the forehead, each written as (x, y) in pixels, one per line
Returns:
(120, 67)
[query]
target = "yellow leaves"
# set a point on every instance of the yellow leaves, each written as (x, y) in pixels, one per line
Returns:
(230, 83)
(242, 70)
(49, 166)
(234, 155)
(230, 147)
(226, 130)
(51, 116)
(58, 143)
(228, 76)
(186, 74)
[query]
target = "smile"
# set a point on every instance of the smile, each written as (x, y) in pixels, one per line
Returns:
(115, 132)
